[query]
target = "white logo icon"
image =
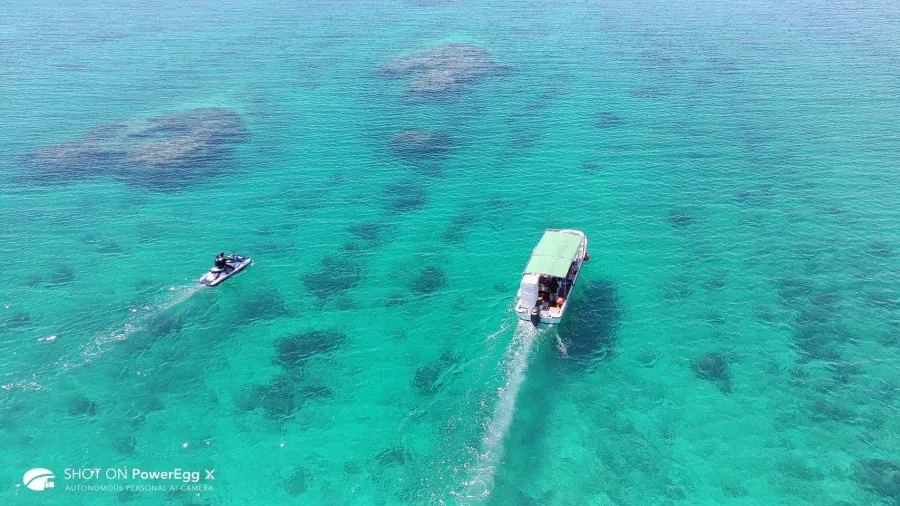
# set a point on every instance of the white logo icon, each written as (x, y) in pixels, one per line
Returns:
(38, 479)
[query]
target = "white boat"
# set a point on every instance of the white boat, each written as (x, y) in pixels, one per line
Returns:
(236, 264)
(550, 276)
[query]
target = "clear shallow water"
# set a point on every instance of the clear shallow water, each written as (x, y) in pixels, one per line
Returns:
(734, 168)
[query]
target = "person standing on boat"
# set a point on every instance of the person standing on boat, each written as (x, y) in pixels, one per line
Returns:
(543, 289)
(554, 287)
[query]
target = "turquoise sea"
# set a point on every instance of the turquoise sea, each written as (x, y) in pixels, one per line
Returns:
(735, 338)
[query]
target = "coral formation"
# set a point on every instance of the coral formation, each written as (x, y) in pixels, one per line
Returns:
(336, 276)
(606, 120)
(442, 70)
(404, 196)
(296, 349)
(590, 332)
(163, 152)
(417, 144)
(714, 367)
(429, 280)
(880, 476)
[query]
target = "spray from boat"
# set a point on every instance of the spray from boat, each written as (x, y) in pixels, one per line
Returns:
(518, 354)
(141, 317)
(137, 321)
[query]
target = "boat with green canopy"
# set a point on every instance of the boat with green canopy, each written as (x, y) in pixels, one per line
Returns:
(550, 276)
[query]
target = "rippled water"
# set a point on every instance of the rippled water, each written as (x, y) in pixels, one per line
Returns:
(389, 166)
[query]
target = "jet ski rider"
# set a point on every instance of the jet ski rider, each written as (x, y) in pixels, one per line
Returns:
(222, 263)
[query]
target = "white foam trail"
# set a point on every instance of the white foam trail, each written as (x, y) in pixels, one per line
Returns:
(481, 483)
(183, 294)
(561, 346)
(23, 385)
(503, 328)
(142, 315)
(138, 321)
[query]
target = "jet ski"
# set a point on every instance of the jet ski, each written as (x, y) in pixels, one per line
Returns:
(236, 264)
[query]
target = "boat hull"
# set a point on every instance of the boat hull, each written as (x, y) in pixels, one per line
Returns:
(543, 320)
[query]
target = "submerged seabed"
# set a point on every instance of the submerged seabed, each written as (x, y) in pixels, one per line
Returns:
(390, 166)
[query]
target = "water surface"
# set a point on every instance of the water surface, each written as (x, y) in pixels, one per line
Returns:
(734, 339)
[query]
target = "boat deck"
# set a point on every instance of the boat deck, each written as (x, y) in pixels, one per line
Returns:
(550, 276)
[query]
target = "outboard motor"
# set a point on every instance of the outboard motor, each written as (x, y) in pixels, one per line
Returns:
(536, 314)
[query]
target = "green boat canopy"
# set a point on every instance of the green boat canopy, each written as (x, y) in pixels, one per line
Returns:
(554, 254)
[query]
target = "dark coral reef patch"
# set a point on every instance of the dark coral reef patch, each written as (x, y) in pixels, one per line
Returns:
(421, 144)
(79, 405)
(264, 303)
(393, 456)
(606, 120)
(297, 483)
(714, 367)
(591, 167)
(335, 277)
(15, 320)
(818, 340)
(881, 249)
(679, 219)
(455, 233)
(162, 152)
(404, 196)
(430, 280)
(61, 276)
(275, 398)
(282, 396)
(590, 333)
(880, 476)
(442, 70)
(428, 378)
(296, 349)
(369, 231)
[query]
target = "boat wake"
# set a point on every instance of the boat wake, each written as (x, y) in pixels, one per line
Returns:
(138, 320)
(77, 356)
(479, 365)
(481, 481)
(561, 346)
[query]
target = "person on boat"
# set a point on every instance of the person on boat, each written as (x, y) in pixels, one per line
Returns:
(222, 263)
(554, 286)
